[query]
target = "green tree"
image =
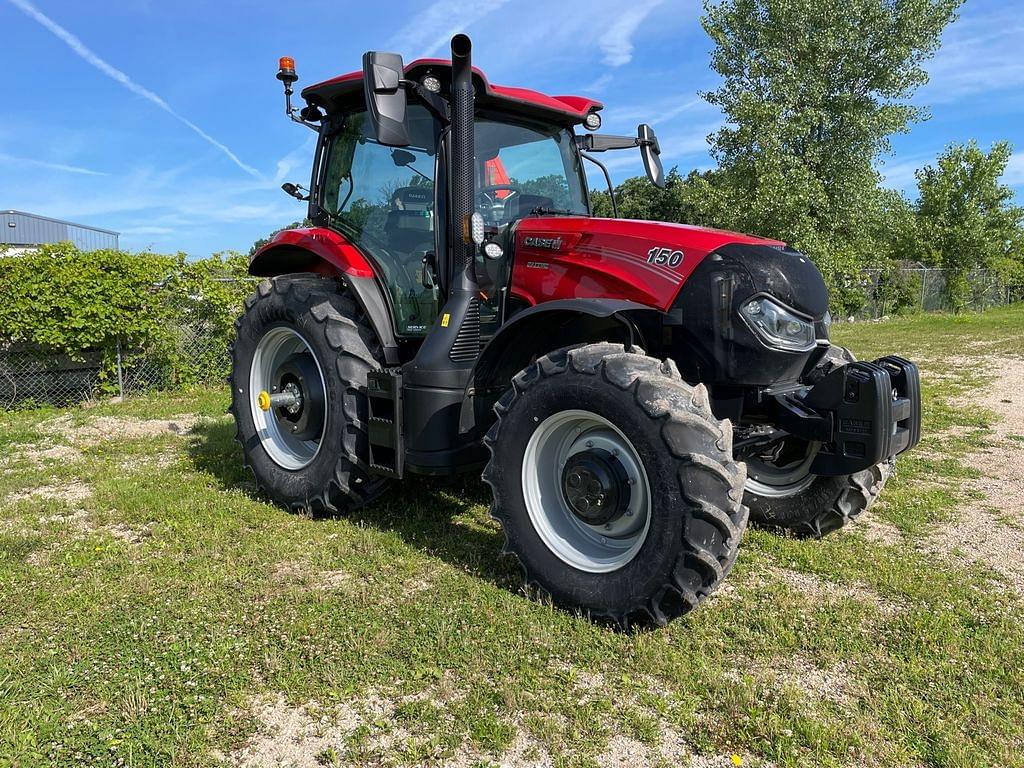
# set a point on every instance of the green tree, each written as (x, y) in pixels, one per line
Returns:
(967, 218)
(264, 240)
(683, 199)
(811, 91)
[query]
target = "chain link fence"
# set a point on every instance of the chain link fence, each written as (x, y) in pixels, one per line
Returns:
(194, 350)
(923, 289)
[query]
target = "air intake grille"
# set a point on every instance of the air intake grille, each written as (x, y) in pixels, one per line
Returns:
(467, 342)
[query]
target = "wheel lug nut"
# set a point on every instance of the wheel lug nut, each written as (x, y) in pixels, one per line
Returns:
(590, 443)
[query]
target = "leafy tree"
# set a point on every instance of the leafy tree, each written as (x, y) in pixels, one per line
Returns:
(812, 90)
(264, 240)
(967, 217)
(682, 200)
(552, 186)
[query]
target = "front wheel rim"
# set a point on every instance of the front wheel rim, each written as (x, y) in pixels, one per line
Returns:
(275, 350)
(775, 481)
(591, 548)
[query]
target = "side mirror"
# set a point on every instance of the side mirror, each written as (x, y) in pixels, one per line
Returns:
(402, 158)
(385, 97)
(650, 150)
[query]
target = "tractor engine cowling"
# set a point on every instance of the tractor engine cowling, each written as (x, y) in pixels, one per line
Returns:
(736, 309)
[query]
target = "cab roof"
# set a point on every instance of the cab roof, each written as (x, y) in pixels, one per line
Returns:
(346, 92)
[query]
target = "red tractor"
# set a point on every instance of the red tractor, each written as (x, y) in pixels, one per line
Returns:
(632, 389)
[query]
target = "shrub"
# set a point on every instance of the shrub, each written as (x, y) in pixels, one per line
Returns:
(86, 303)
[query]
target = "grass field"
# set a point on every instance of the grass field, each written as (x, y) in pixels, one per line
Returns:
(156, 612)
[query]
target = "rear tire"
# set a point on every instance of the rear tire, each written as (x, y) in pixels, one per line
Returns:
(323, 324)
(815, 505)
(664, 565)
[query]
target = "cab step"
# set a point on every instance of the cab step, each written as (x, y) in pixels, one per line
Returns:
(384, 422)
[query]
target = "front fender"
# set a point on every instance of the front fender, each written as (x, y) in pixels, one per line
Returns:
(535, 332)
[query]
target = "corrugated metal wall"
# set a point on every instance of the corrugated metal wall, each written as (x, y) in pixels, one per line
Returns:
(18, 228)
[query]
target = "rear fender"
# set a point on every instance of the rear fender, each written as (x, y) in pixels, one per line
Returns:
(327, 253)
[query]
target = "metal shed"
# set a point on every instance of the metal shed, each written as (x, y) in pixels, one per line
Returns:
(28, 230)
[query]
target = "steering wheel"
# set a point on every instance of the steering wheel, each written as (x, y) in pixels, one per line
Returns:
(488, 195)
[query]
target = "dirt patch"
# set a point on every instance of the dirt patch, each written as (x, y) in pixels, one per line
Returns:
(128, 534)
(362, 731)
(820, 590)
(294, 736)
(877, 531)
(978, 534)
(62, 454)
(71, 493)
(329, 581)
(834, 684)
(107, 428)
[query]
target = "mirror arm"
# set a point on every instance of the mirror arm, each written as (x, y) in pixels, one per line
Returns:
(292, 112)
(597, 142)
(433, 101)
(608, 180)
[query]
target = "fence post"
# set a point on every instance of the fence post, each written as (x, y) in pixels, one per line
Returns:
(120, 371)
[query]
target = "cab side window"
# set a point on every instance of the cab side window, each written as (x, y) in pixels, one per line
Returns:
(382, 199)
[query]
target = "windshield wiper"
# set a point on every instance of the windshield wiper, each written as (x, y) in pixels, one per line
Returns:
(542, 211)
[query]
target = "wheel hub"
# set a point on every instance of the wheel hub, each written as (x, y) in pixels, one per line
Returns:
(586, 491)
(301, 409)
(289, 398)
(596, 486)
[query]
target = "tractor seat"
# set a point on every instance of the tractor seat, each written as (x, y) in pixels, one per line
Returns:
(519, 206)
(409, 227)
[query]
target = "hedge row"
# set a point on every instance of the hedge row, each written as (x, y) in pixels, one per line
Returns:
(61, 300)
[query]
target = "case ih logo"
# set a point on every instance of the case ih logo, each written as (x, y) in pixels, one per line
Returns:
(551, 243)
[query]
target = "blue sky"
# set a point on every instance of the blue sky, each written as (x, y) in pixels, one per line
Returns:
(164, 121)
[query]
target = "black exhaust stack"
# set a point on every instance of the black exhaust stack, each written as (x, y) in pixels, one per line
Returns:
(435, 380)
(463, 191)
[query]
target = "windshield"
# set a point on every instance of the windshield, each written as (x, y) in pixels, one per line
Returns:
(382, 199)
(523, 168)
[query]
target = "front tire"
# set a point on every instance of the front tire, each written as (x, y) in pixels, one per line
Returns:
(303, 334)
(788, 496)
(661, 523)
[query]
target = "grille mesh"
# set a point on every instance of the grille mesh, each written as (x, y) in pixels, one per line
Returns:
(467, 342)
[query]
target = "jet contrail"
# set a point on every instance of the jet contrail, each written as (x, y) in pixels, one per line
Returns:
(5, 158)
(113, 73)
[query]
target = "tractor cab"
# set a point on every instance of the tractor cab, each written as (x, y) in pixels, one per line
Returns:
(392, 202)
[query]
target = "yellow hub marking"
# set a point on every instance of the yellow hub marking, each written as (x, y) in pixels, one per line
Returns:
(263, 400)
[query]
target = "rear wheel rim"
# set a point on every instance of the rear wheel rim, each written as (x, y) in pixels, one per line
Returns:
(275, 349)
(772, 480)
(591, 548)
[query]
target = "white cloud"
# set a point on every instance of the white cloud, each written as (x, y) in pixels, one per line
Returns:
(117, 75)
(297, 158)
(659, 110)
(617, 41)
(429, 32)
(14, 160)
(1015, 170)
(597, 85)
(980, 53)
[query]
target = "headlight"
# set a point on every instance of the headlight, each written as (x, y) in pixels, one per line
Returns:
(777, 326)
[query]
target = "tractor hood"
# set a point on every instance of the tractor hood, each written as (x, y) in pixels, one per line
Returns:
(562, 257)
